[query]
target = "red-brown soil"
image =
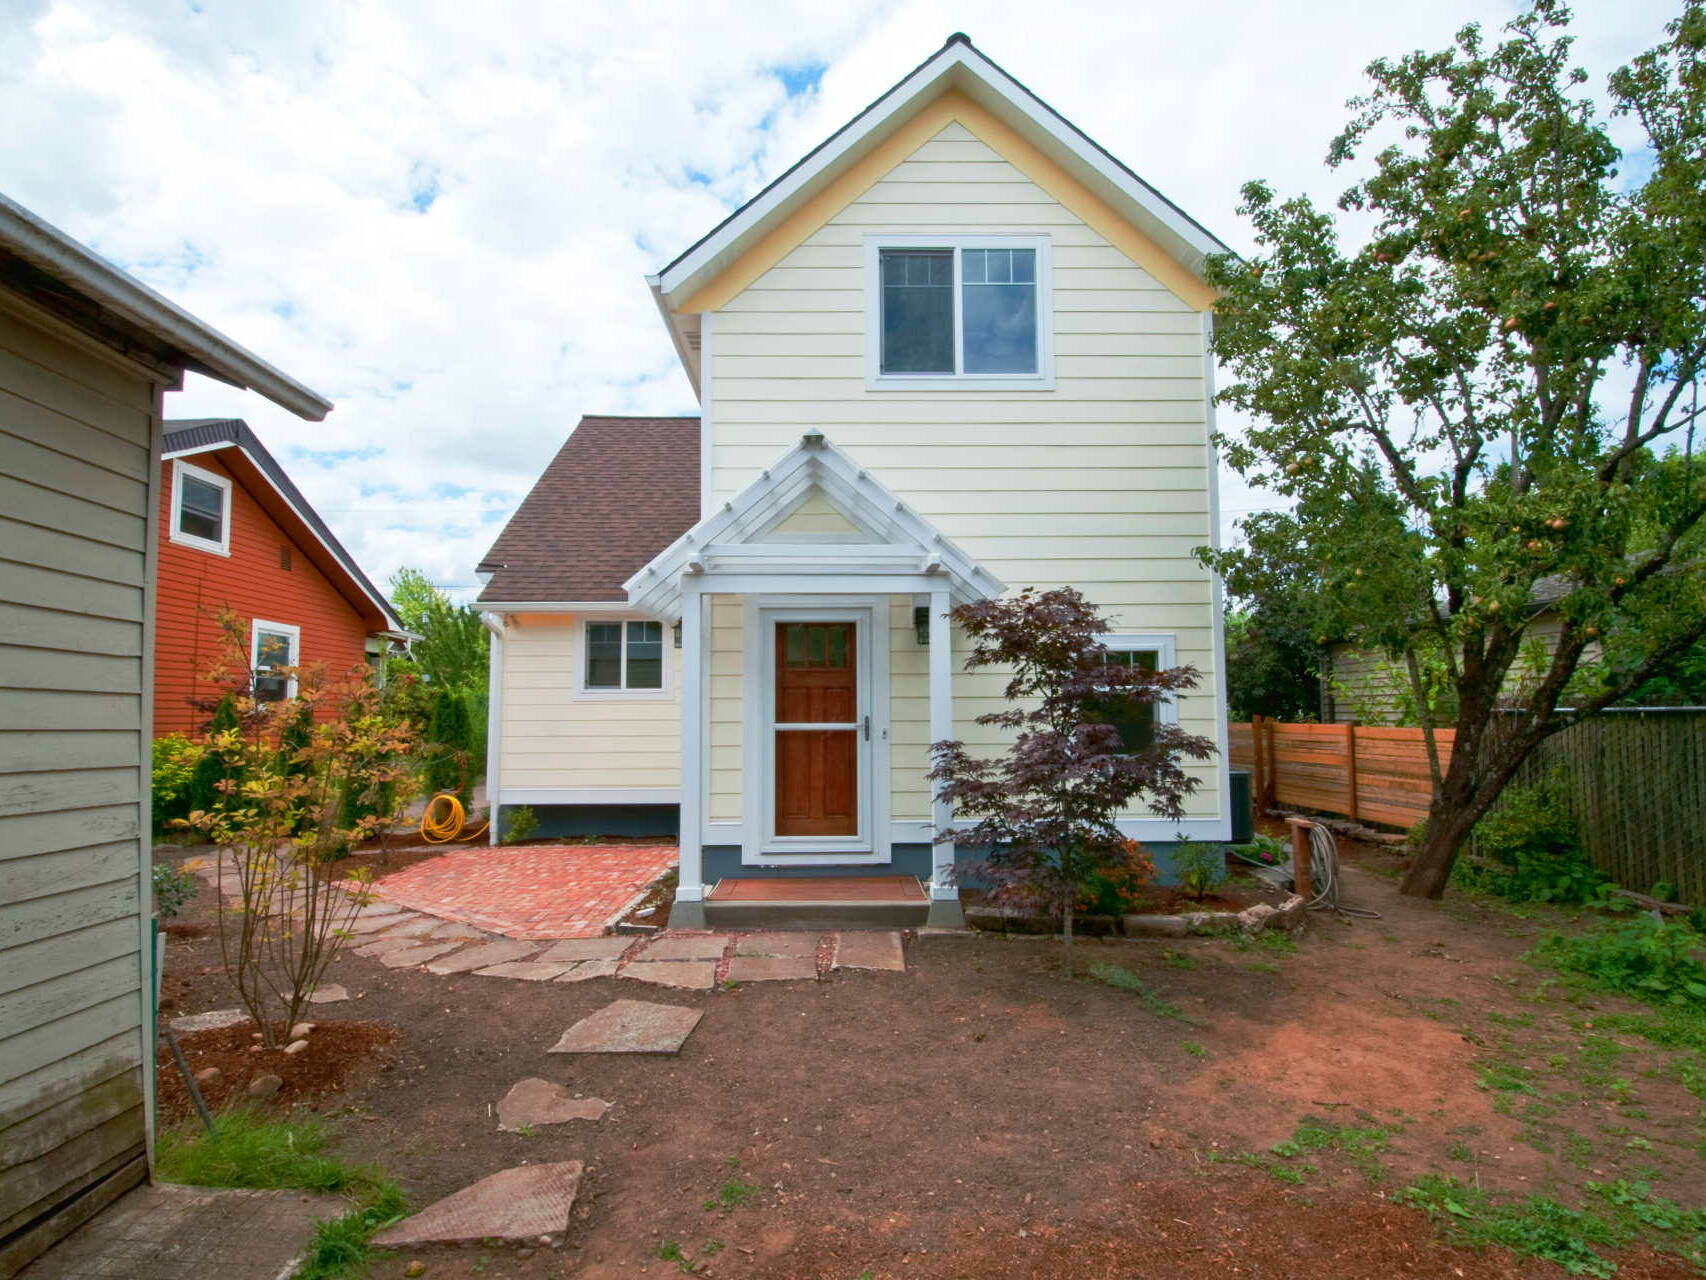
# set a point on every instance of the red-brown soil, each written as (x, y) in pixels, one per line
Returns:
(983, 1115)
(340, 1054)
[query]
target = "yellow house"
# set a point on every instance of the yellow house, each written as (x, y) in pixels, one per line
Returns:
(956, 350)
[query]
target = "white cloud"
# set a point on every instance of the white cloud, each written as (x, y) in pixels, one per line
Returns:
(440, 213)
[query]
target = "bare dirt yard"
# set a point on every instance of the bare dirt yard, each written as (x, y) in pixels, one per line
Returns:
(1203, 1107)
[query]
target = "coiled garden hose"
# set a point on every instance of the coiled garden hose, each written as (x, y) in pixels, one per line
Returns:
(444, 818)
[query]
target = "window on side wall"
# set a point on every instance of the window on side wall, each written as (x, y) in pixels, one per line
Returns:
(275, 650)
(961, 312)
(201, 508)
(625, 656)
(1136, 722)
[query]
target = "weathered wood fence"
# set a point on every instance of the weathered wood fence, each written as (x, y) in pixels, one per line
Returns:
(1635, 781)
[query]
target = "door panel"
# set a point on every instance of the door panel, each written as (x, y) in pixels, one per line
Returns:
(817, 770)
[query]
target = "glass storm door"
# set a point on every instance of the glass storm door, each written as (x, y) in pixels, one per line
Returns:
(819, 732)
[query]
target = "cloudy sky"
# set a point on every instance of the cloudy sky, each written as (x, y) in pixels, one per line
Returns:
(439, 213)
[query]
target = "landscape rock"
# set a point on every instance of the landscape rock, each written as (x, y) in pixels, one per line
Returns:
(328, 993)
(264, 1086)
(295, 1047)
(534, 1102)
(1153, 926)
(523, 1203)
(631, 1026)
(414, 1269)
(302, 1030)
(207, 1075)
(213, 1020)
(691, 975)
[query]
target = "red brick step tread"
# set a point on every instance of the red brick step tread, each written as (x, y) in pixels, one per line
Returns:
(870, 889)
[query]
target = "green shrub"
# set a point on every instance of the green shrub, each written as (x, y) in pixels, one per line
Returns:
(1526, 850)
(520, 822)
(175, 758)
(1652, 961)
(1200, 867)
(172, 889)
(210, 769)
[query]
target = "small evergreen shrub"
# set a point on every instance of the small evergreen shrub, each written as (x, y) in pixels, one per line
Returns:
(1200, 867)
(520, 822)
(1526, 850)
(172, 889)
(175, 758)
(450, 753)
(211, 769)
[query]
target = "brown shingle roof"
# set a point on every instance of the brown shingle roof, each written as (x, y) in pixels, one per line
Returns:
(619, 491)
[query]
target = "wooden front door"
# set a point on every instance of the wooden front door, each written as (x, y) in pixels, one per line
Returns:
(818, 729)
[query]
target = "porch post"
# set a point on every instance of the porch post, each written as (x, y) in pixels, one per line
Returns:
(688, 911)
(945, 910)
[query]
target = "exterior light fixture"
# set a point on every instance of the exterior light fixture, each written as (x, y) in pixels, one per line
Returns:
(675, 632)
(921, 624)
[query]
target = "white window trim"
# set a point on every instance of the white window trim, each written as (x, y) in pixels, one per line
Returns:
(578, 665)
(877, 380)
(180, 469)
(1166, 647)
(258, 625)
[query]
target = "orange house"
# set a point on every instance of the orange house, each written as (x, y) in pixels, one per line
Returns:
(236, 534)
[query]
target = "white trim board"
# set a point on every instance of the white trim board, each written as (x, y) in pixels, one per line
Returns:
(226, 486)
(589, 795)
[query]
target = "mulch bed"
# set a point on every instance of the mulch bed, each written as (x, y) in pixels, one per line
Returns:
(339, 1054)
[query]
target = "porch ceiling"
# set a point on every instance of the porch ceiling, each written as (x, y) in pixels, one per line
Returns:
(727, 550)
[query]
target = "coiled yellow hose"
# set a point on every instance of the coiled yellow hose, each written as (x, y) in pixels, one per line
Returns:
(442, 830)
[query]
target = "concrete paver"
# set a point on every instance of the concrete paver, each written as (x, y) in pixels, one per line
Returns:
(686, 946)
(870, 951)
(691, 975)
(524, 970)
(404, 957)
(778, 944)
(504, 951)
(529, 1202)
(610, 948)
(771, 968)
(631, 1026)
(166, 1232)
(589, 969)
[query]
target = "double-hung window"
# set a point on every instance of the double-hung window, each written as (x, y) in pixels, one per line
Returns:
(1136, 721)
(274, 650)
(201, 508)
(624, 657)
(959, 312)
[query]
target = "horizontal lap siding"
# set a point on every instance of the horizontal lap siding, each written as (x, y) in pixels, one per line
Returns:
(75, 437)
(195, 586)
(1100, 484)
(554, 738)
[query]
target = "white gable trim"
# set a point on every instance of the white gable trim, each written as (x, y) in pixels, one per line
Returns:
(906, 552)
(957, 64)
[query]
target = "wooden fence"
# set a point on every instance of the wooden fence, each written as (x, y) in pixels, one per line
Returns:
(1368, 773)
(1634, 780)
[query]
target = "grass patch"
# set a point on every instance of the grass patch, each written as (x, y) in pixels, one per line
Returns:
(1507, 1077)
(1362, 1145)
(250, 1150)
(1625, 1213)
(731, 1195)
(341, 1245)
(1126, 980)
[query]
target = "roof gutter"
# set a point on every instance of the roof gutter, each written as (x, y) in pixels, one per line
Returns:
(689, 365)
(52, 251)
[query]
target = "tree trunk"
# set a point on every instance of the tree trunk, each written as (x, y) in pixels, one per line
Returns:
(1066, 941)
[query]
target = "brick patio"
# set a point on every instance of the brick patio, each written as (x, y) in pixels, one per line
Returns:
(537, 892)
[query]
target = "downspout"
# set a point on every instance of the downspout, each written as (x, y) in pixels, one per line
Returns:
(494, 719)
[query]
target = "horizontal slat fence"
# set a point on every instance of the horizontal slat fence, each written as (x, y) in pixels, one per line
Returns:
(1635, 781)
(1368, 773)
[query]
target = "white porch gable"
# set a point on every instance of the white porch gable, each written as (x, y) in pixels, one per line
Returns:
(744, 548)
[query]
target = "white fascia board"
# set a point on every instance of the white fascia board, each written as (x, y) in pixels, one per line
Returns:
(51, 250)
(961, 66)
(555, 606)
(689, 359)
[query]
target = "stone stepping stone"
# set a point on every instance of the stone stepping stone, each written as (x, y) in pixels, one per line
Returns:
(686, 946)
(484, 957)
(691, 975)
(778, 944)
(573, 949)
(361, 926)
(534, 1102)
(373, 950)
(405, 957)
(414, 927)
(328, 993)
(631, 1026)
(771, 968)
(590, 969)
(456, 929)
(870, 951)
(212, 1020)
(526, 1203)
(522, 969)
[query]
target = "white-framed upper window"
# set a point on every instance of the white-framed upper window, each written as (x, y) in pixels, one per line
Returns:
(1152, 653)
(201, 508)
(275, 649)
(623, 656)
(968, 313)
